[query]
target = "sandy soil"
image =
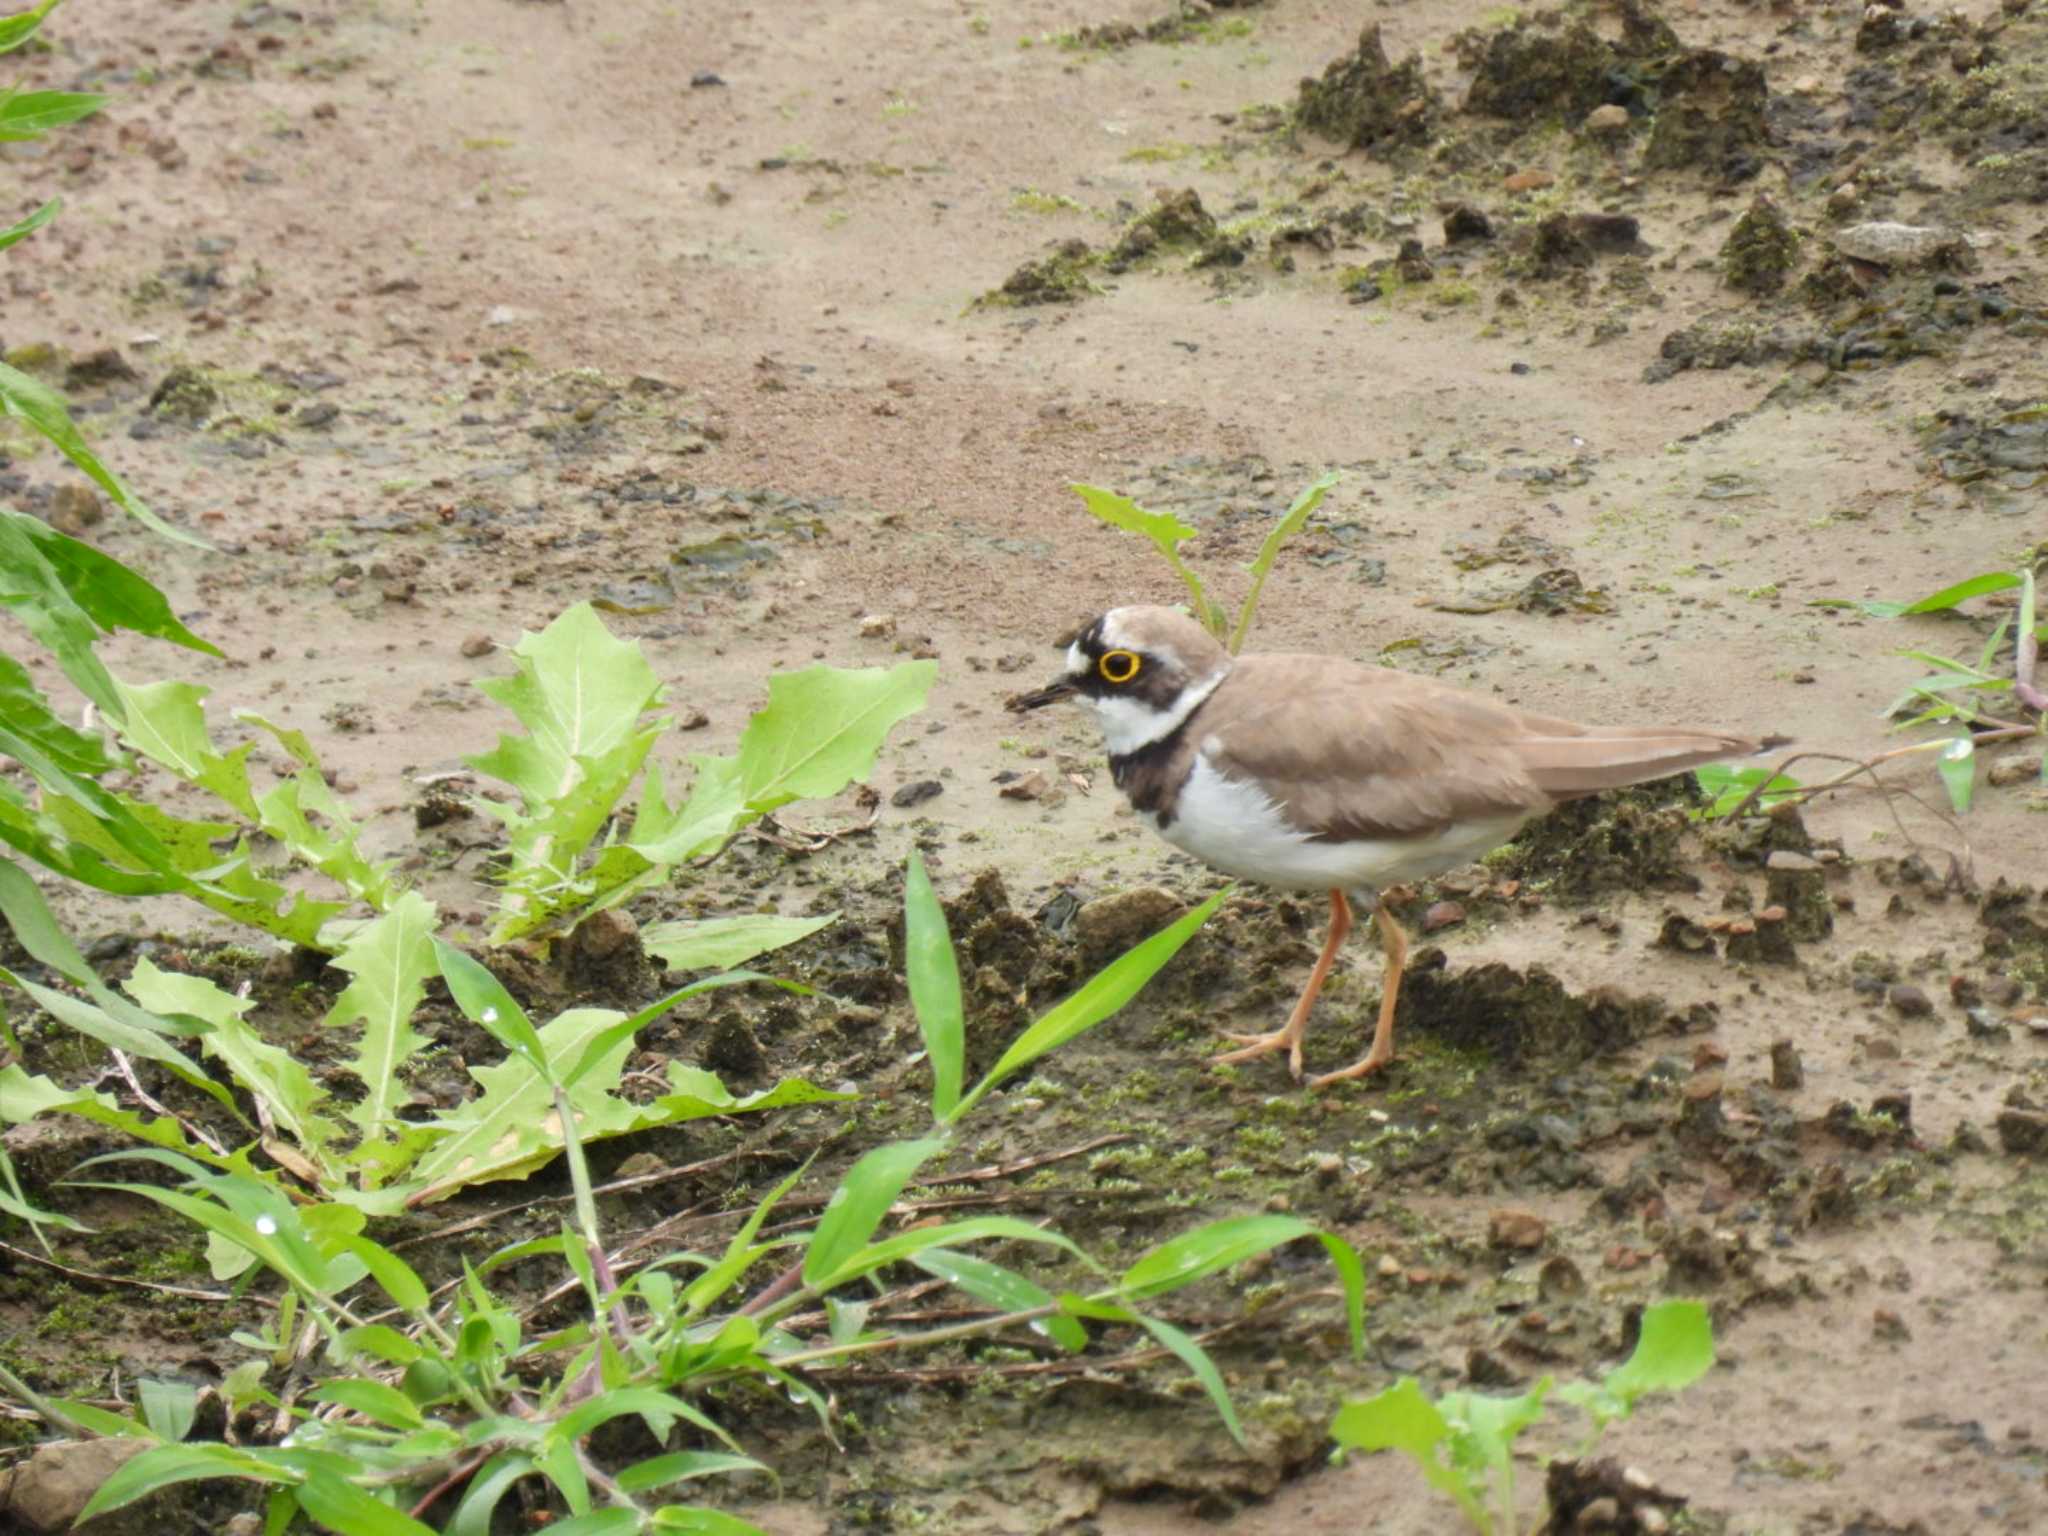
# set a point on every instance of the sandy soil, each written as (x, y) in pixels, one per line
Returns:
(503, 304)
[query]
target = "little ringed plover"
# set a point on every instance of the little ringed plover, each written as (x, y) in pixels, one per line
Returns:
(1316, 773)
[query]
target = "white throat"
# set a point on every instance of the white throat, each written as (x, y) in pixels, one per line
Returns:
(1129, 724)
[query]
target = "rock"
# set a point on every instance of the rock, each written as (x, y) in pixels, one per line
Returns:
(916, 793)
(2023, 1132)
(1886, 244)
(692, 719)
(1465, 222)
(75, 508)
(1788, 1072)
(1116, 922)
(2007, 771)
(1794, 863)
(877, 626)
(1529, 181)
(1910, 1001)
(1442, 914)
(478, 645)
(1609, 119)
(1025, 786)
(46, 1492)
(1516, 1229)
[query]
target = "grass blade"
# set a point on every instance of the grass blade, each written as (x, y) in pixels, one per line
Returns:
(861, 1201)
(1288, 526)
(1197, 1360)
(1003, 1288)
(934, 976)
(1958, 767)
(1098, 997)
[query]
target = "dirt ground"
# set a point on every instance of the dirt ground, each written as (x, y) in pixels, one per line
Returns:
(436, 318)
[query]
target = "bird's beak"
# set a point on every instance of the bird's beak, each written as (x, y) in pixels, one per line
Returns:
(1051, 693)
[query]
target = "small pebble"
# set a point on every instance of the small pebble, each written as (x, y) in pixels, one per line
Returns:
(1909, 1001)
(877, 626)
(2019, 769)
(1442, 914)
(478, 645)
(1515, 1229)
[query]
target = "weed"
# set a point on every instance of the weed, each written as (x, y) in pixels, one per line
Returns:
(1168, 532)
(1463, 1441)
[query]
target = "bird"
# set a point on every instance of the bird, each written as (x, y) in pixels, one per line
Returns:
(1313, 772)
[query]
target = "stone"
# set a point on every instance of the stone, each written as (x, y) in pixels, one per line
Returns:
(46, 1492)
(1788, 1072)
(1910, 1001)
(1117, 921)
(877, 626)
(1608, 119)
(2022, 768)
(1516, 1229)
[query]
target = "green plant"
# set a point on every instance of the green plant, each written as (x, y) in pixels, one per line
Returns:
(460, 1399)
(1167, 533)
(1973, 704)
(1463, 1442)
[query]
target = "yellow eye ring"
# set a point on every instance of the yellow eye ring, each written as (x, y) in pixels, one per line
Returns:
(1118, 666)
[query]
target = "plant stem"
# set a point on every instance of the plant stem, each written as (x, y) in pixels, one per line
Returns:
(898, 1340)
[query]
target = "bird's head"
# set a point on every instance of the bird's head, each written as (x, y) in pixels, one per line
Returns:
(1143, 671)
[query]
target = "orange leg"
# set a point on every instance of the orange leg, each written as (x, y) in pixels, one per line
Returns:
(1394, 940)
(1288, 1038)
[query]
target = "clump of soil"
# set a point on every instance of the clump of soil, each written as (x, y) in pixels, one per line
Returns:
(1761, 251)
(1624, 840)
(1178, 221)
(1713, 113)
(1555, 65)
(1519, 1014)
(1059, 278)
(1363, 101)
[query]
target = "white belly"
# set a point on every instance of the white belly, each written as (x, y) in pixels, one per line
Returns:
(1236, 827)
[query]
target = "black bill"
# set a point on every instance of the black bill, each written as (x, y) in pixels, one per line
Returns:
(1051, 693)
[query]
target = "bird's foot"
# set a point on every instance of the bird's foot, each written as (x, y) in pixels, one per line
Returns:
(1262, 1045)
(1372, 1062)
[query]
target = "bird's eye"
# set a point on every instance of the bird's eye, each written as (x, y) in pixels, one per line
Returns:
(1118, 666)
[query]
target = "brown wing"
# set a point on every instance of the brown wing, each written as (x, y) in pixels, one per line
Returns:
(1350, 751)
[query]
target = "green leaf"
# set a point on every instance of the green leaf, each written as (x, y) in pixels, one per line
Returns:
(580, 693)
(1003, 1289)
(1402, 1419)
(934, 977)
(1197, 1360)
(332, 845)
(717, 808)
(1957, 765)
(28, 115)
(163, 1466)
(680, 1466)
(23, 228)
(823, 728)
(1166, 533)
(380, 1342)
(28, 400)
(692, 1520)
(18, 28)
(719, 943)
(112, 595)
(389, 962)
(704, 1292)
(23, 1097)
(1725, 786)
(168, 1407)
(1096, 999)
(1184, 1259)
(861, 1201)
(341, 1506)
(374, 1400)
(1674, 1349)
(486, 1490)
(1296, 519)
(486, 1003)
(906, 1245)
(126, 1028)
(1934, 602)
(272, 1075)
(397, 1277)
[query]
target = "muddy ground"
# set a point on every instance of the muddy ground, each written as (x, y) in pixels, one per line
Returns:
(759, 322)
